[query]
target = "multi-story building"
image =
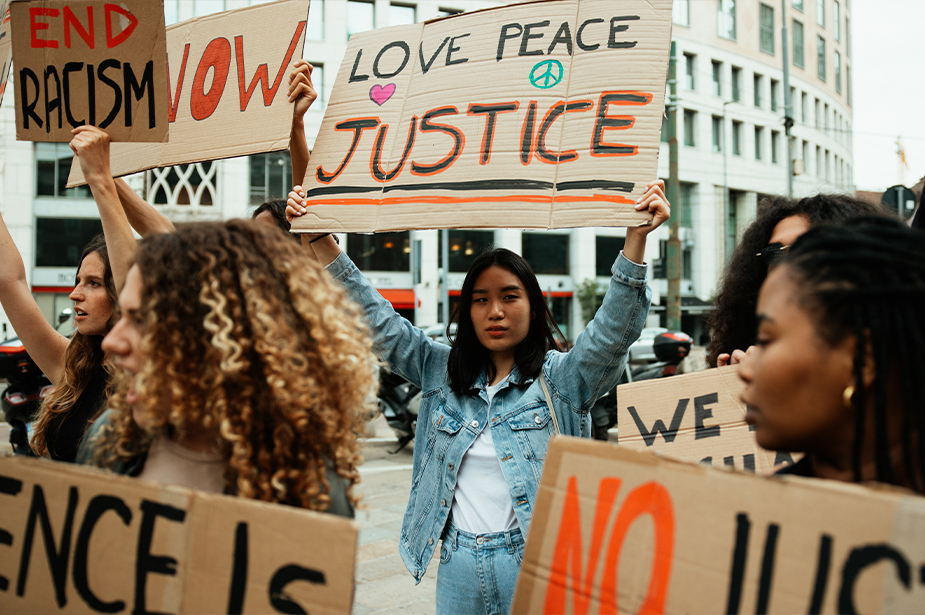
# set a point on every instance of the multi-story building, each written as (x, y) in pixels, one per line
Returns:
(730, 128)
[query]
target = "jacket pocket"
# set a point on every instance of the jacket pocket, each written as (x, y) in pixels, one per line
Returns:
(446, 428)
(532, 430)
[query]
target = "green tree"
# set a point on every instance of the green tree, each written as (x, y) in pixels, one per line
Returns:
(590, 296)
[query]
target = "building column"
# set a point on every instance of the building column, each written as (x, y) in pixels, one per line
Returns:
(583, 266)
(427, 293)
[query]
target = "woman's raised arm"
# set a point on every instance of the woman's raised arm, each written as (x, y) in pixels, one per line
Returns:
(91, 146)
(302, 94)
(143, 217)
(45, 345)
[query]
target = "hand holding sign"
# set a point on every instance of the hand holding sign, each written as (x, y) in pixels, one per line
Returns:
(91, 146)
(301, 90)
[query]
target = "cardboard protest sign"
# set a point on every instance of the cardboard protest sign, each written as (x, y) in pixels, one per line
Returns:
(77, 540)
(228, 80)
(94, 62)
(621, 531)
(697, 417)
(534, 115)
(6, 46)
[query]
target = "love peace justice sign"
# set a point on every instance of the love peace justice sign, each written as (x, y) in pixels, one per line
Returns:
(495, 119)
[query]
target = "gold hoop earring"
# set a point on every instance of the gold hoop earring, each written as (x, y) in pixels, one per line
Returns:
(846, 396)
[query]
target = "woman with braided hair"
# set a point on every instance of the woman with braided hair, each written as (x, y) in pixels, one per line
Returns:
(838, 369)
(244, 370)
(779, 222)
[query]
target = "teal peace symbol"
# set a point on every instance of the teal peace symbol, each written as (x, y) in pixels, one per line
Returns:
(546, 74)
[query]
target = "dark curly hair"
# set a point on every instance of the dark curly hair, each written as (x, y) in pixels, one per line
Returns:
(277, 209)
(866, 278)
(733, 318)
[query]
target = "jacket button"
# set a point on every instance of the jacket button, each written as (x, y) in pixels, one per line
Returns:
(430, 541)
(449, 465)
(537, 419)
(442, 502)
(475, 423)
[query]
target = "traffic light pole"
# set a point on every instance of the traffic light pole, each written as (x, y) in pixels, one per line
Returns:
(673, 306)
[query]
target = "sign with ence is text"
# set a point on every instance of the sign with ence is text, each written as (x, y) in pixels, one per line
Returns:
(624, 531)
(227, 88)
(6, 46)
(89, 62)
(533, 115)
(695, 417)
(80, 540)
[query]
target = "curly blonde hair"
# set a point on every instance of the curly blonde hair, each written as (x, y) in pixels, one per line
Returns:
(248, 341)
(82, 360)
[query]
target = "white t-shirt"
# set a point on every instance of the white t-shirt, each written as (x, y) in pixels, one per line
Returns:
(482, 502)
(173, 464)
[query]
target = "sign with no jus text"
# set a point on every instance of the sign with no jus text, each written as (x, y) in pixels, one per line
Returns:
(536, 115)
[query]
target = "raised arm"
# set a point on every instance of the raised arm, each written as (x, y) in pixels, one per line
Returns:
(91, 145)
(302, 93)
(143, 217)
(45, 345)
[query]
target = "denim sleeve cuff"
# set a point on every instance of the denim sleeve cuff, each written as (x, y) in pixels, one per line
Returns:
(340, 267)
(629, 272)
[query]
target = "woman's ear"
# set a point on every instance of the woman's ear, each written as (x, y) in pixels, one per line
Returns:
(849, 348)
(532, 315)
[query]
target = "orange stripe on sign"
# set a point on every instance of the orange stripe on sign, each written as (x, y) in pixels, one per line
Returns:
(448, 200)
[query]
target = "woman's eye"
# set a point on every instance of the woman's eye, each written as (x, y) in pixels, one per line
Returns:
(762, 342)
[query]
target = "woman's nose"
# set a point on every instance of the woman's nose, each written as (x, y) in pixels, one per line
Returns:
(114, 342)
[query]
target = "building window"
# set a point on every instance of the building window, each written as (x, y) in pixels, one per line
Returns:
(271, 176)
(759, 137)
(775, 94)
(690, 128)
(804, 107)
(828, 171)
(401, 14)
(825, 117)
(381, 251)
(314, 29)
(726, 19)
(202, 8)
(736, 83)
(836, 21)
(820, 165)
(185, 184)
(806, 156)
(547, 253)
(689, 82)
(686, 198)
(797, 43)
(820, 13)
(606, 250)
(717, 133)
(59, 242)
(775, 146)
(442, 12)
(757, 82)
(736, 138)
(818, 114)
(820, 57)
(766, 42)
(798, 5)
(318, 82)
(838, 72)
(717, 78)
(680, 14)
(848, 83)
(847, 37)
(52, 165)
(465, 247)
(361, 16)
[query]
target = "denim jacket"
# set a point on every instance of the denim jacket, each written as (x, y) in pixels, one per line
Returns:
(520, 421)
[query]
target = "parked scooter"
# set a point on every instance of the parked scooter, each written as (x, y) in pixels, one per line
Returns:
(399, 401)
(26, 388)
(670, 349)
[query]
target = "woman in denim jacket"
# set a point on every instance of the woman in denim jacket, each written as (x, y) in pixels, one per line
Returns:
(484, 425)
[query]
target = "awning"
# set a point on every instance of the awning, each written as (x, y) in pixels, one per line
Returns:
(400, 298)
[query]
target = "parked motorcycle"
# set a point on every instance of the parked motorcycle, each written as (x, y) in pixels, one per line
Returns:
(670, 349)
(26, 388)
(399, 401)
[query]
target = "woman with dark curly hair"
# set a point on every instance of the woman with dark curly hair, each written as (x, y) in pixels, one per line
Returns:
(837, 370)
(244, 370)
(779, 222)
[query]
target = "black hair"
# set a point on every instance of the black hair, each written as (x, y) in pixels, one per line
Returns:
(277, 209)
(866, 278)
(733, 317)
(468, 358)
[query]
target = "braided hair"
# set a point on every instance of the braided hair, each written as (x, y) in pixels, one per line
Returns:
(733, 318)
(866, 278)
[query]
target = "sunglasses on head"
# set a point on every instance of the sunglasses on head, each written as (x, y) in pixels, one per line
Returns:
(772, 253)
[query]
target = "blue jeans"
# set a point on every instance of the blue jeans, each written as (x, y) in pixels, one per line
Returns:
(478, 573)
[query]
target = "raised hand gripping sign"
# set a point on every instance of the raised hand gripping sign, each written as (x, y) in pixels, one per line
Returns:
(226, 90)
(80, 62)
(535, 115)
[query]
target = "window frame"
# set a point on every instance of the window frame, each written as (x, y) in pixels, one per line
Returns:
(801, 47)
(763, 28)
(726, 11)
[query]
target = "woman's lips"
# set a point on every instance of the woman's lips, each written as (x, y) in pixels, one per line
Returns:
(496, 332)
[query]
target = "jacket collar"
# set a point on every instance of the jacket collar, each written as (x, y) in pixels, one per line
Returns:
(516, 377)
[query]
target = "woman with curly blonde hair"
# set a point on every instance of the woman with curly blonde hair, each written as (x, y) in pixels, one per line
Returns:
(245, 370)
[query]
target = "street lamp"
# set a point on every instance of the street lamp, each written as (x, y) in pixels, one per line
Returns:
(727, 245)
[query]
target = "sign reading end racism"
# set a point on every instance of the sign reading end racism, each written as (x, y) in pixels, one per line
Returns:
(89, 62)
(78, 540)
(624, 531)
(534, 115)
(227, 91)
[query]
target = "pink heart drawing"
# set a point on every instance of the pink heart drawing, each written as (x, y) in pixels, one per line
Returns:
(379, 94)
